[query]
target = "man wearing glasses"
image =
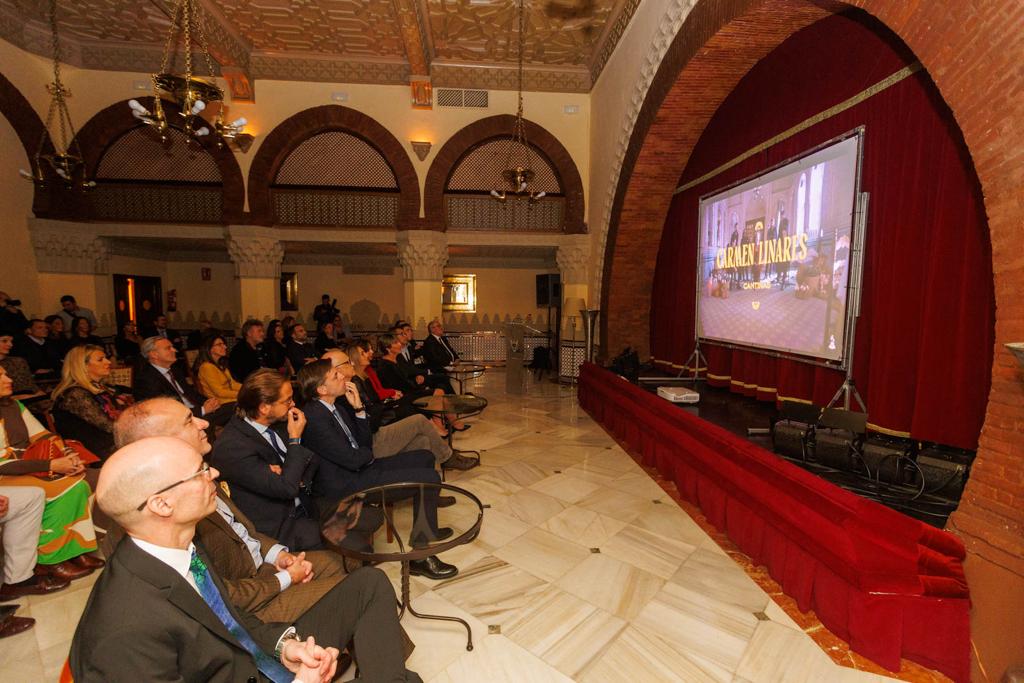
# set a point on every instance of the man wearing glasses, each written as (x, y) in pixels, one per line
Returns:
(261, 575)
(261, 457)
(159, 612)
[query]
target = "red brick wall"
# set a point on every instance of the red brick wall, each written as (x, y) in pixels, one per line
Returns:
(973, 52)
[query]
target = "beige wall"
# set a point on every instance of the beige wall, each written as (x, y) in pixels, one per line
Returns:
(17, 262)
(361, 298)
(218, 300)
(502, 294)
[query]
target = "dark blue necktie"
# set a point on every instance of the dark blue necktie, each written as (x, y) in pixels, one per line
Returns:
(344, 428)
(268, 666)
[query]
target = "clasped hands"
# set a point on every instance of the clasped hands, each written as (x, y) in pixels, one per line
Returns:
(298, 567)
(310, 662)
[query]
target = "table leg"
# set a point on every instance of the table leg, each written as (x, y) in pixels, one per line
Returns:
(406, 602)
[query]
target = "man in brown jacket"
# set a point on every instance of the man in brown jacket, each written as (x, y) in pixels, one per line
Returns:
(260, 575)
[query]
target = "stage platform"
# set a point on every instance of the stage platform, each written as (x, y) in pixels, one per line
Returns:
(736, 413)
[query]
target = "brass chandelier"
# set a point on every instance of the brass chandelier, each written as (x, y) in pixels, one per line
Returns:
(66, 159)
(191, 93)
(517, 173)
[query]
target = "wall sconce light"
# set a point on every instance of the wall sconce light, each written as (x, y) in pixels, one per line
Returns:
(421, 148)
(1017, 349)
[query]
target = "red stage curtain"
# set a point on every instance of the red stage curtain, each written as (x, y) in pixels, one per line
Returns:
(926, 332)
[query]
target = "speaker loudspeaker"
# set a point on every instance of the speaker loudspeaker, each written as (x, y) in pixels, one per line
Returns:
(549, 290)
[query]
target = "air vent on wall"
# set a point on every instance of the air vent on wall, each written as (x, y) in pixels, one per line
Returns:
(459, 98)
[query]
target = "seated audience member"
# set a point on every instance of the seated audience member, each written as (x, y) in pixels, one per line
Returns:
(246, 356)
(342, 332)
(299, 349)
(57, 337)
(21, 518)
(159, 375)
(81, 333)
(128, 343)
(11, 317)
(159, 329)
(344, 445)
(412, 361)
(69, 310)
(325, 338)
(39, 352)
(413, 432)
(261, 457)
(384, 405)
(392, 375)
(160, 611)
(66, 535)
(84, 405)
(261, 575)
(196, 337)
(274, 351)
(438, 354)
(25, 388)
(211, 371)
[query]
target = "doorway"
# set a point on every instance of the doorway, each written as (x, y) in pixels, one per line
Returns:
(138, 298)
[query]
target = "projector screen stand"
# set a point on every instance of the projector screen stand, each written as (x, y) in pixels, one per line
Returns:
(694, 361)
(845, 390)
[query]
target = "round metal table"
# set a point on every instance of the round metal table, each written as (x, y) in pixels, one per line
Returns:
(451, 407)
(462, 372)
(465, 518)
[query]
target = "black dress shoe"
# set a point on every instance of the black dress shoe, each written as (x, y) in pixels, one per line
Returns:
(433, 568)
(462, 428)
(445, 501)
(37, 585)
(442, 533)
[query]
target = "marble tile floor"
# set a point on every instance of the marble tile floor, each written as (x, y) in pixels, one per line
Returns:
(587, 568)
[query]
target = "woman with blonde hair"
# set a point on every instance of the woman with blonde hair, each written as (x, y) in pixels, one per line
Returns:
(67, 534)
(84, 404)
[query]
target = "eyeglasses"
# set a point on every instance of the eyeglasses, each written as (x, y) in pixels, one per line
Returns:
(204, 470)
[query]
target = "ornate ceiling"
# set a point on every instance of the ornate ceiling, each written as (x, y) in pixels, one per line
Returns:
(456, 43)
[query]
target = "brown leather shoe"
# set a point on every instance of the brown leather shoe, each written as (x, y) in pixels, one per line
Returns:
(87, 561)
(12, 626)
(37, 585)
(64, 570)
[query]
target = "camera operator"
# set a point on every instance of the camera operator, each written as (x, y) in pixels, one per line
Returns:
(11, 317)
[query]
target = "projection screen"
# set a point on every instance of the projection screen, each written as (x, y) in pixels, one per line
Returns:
(774, 255)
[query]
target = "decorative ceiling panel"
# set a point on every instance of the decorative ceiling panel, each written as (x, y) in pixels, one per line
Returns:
(352, 28)
(487, 34)
(457, 43)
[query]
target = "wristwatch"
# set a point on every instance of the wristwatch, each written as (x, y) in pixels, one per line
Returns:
(289, 634)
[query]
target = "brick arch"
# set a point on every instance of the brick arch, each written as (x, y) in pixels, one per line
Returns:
(971, 53)
(296, 129)
(489, 128)
(109, 124)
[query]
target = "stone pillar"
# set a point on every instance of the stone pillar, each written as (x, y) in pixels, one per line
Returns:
(257, 255)
(423, 255)
(72, 259)
(573, 258)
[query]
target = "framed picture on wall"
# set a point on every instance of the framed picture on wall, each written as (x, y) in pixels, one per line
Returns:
(289, 291)
(458, 293)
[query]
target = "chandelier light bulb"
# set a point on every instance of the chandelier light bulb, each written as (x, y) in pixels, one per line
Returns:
(202, 131)
(137, 107)
(239, 122)
(540, 195)
(198, 107)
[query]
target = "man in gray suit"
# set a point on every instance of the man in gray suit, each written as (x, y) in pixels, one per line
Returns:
(158, 612)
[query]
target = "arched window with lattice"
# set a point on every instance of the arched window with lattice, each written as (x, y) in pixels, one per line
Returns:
(139, 178)
(335, 178)
(470, 206)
